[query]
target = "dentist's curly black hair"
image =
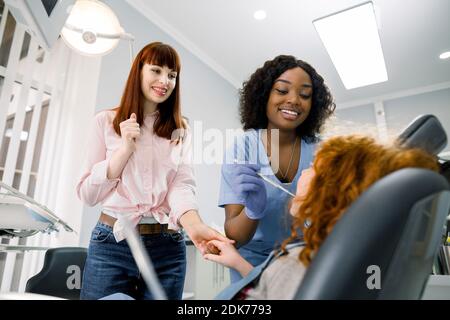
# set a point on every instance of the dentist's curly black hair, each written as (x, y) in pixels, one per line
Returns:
(254, 95)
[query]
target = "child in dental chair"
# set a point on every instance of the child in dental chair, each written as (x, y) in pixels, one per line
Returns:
(343, 169)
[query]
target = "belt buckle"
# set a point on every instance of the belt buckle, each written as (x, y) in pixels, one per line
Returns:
(154, 228)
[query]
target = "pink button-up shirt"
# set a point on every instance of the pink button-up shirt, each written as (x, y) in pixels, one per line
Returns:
(157, 181)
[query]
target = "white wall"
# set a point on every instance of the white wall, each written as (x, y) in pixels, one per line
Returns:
(358, 120)
(399, 110)
(361, 114)
(205, 96)
(77, 107)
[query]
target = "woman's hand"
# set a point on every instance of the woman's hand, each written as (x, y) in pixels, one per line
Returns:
(130, 131)
(200, 233)
(228, 256)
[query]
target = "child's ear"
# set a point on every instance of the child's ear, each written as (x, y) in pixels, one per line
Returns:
(298, 186)
(295, 207)
(289, 204)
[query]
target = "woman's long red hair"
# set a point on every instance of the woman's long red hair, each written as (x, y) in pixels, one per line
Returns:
(344, 168)
(169, 116)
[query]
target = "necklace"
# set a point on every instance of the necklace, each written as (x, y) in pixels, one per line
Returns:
(283, 175)
(290, 161)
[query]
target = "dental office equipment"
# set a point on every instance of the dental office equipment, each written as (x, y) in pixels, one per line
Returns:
(273, 183)
(276, 185)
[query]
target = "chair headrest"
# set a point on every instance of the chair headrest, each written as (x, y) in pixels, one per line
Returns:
(425, 132)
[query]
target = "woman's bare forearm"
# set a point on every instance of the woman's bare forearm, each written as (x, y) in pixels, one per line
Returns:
(240, 228)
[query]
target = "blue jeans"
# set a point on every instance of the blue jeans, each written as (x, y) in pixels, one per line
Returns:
(110, 267)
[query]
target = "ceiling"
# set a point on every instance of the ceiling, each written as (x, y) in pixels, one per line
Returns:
(224, 34)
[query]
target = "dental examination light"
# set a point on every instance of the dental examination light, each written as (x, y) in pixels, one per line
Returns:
(93, 29)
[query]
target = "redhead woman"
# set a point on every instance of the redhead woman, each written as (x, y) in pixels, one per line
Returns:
(139, 169)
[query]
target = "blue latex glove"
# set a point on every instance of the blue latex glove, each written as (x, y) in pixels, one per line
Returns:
(249, 187)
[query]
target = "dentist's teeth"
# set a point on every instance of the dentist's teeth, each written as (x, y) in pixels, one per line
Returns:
(290, 112)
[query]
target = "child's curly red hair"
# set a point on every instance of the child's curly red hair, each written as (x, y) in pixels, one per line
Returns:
(344, 168)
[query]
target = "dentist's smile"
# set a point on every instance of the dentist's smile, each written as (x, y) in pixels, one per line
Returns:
(289, 113)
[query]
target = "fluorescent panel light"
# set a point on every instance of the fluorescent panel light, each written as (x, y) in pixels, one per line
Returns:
(445, 55)
(352, 41)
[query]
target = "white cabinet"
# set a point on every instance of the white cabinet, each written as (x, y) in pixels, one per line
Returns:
(204, 279)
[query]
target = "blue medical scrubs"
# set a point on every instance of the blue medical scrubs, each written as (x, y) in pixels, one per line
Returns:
(274, 227)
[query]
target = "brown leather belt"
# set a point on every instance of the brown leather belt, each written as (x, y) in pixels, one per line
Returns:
(142, 229)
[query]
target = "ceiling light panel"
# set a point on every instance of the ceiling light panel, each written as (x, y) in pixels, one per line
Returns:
(351, 39)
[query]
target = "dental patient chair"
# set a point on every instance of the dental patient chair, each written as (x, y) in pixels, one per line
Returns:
(384, 246)
(425, 132)
(61, 274)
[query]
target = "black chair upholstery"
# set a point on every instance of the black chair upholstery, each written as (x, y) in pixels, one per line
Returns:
(425, 132)
(396, 225)
(56, 278)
